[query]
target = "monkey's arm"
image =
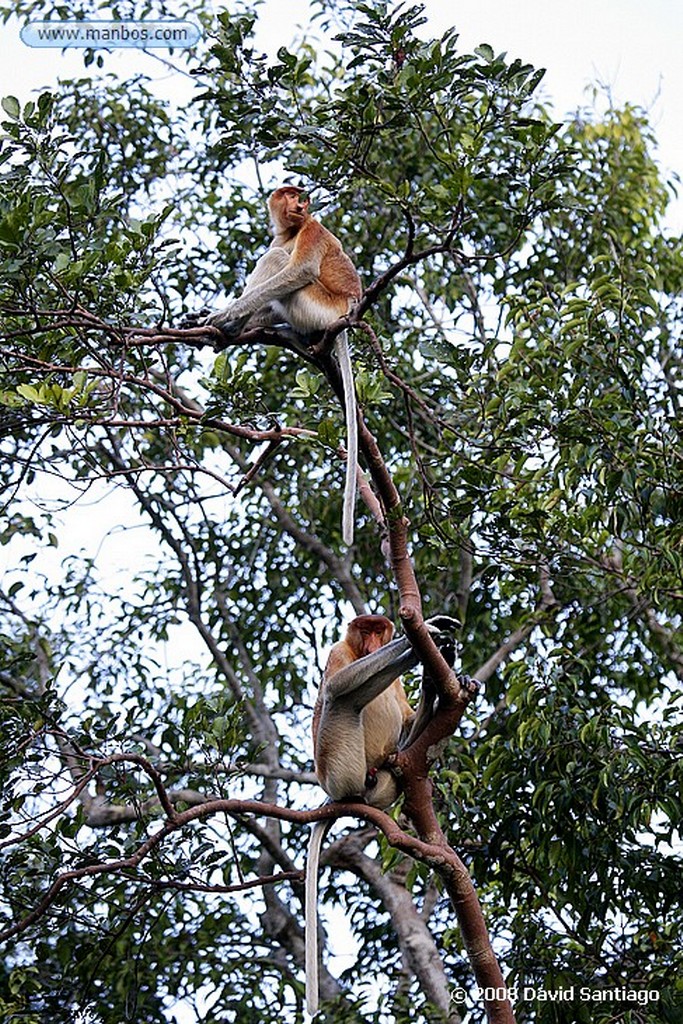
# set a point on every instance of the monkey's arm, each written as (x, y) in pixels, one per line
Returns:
(276, 276)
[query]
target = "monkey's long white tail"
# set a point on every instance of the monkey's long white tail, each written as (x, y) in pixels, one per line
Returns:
(318, 833)
(341, 345)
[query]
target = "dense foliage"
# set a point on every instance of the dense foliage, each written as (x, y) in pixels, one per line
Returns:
(522, 377)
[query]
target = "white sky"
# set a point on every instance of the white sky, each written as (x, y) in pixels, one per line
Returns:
(631, 46)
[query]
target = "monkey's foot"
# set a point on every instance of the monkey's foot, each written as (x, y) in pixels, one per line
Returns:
(470, 685)
(229, 327)
(439, 624)
(312, 338)
(197, 319)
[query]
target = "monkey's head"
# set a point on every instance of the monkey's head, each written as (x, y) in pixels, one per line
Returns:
(368, 633)
(288, 207)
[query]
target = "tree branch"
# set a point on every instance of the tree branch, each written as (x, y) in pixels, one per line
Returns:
(418, 948)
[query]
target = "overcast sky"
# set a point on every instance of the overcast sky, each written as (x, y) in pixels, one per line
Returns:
(630, 46)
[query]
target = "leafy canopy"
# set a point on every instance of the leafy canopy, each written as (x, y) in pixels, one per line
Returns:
(523, 379)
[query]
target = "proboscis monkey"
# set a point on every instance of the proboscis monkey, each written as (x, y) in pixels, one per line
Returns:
(361, 718)
(306, 280)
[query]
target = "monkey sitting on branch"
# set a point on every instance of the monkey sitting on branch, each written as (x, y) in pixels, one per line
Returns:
(361, 718)
(306, 280)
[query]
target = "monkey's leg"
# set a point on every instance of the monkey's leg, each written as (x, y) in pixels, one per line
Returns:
(362, 680)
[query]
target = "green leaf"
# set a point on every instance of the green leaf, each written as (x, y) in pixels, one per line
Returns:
(11, 106)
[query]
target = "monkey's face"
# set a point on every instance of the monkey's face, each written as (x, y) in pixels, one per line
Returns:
(373, 640)
(367, 633)
(289, 206)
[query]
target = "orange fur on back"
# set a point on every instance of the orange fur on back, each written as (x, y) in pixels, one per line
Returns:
(336, 282)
